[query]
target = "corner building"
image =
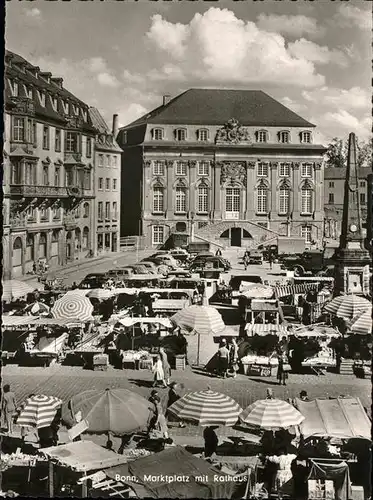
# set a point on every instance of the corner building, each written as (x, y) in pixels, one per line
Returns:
(234, 167)
(48, 171)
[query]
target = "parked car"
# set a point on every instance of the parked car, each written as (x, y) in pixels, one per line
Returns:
(150, 265)
(94, 280)
(139, 268)
(120, 273)
(313, 261)
(255, 258)
(236, 280)
(167, 260)
(202, 261)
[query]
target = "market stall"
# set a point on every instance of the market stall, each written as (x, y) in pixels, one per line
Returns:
(266, 329)
(69, 462)
(169, 306)
(262, 366)
(21, 472)
(264, 311)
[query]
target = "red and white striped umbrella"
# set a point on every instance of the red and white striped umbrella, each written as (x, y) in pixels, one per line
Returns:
(347, 306)
(16, 289)
(271, 414)
(39, 411)
(73, 306)
(206, 408)
(361, 323)
(202, 320)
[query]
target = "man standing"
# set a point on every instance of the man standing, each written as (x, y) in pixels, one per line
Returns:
(223, 355)
(8, 407)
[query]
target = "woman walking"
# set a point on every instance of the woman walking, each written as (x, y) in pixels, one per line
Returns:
(8, 407)
(158, 372)
(283, 368)
(233, 355)
(166, 365)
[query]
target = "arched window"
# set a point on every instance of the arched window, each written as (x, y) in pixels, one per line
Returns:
(307, 195)
(158, 199)
(77, 239)
(203, 134)
(262, 200)
(29, 247)
(17, 253)
(232, 202)
(306, 137)
(42, 246)
(284, 136)
(261, 136)
(284, 200)
(85, 243)
(86, 210)
(157, 134)
(180, 200)
(180, 134)
(203, 199)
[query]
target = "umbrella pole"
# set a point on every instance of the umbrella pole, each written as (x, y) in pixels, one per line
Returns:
(198, 348)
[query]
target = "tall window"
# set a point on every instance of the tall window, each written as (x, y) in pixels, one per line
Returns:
(180, 198)
(69, 177)
(232, 202)
(306, 170)
(100, 211)
(34, 133)
(107, 210)
(158, 235)
(284, 170)
(306, 200)
(71, 142)
(180, 134)
(57, 140)
(203, 199)
(363, 199)
(181, 168)
(261, 136)
(109, 160)
(86, 210)
(331, 184)
(114, 184)
(89, 147)
(30, 131)
(45, 137)
(18, 129)
(115, 161)
(263, 169)
(87, 179)
(203, 168)
(284, 137)
(284, 200)
(56, 212)
(107, 185)
(16, 173)
(158, 199)
(203, 134)
(262, 200)
(158, 167)
(100, 183)
(100, 160)
(115, 210)
(362, 184)
(331, 198)
(306, 233)
(30, 174)
(158, 134)
(45, 176)
(306, 137)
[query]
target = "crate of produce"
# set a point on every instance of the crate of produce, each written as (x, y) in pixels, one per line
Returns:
(180, 362)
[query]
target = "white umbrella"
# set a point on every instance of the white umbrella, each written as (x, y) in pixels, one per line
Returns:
(271, 414)
(73, 306)
(203, 320)
(347, 306)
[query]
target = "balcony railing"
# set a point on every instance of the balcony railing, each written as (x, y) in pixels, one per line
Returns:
(39, 191)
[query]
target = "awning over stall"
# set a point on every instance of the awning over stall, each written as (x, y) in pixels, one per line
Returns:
(11, 321)
(134, 321)
(340, 417)
(286, 290)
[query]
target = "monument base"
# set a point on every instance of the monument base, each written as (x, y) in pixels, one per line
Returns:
(352, 272)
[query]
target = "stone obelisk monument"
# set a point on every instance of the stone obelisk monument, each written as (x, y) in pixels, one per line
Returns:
(352, 268)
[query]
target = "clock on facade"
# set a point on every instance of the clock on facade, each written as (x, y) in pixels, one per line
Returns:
(353, 228)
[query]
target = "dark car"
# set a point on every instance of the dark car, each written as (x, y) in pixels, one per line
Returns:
(94, 280)
(314, 261)
(216, 262)
(236, 281)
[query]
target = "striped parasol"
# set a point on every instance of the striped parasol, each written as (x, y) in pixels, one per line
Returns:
(38, 411)
(16, 289)
(257, 291)
(271, 414)
(202, 320)
(37, 308)
(206, 408)
(347, 306)
(100, 294)
(361, 323)
(73, 306)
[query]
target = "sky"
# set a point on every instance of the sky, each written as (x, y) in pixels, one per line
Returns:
(123, 56)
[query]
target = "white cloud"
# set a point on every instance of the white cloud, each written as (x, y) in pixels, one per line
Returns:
(131, 113)
(349, 122)
(350, 16)
(295, 106)
(290, 25)
(34, 14)
(217, 47)
(104, 76)
(310, 51)
(355, 98)
(107, 80)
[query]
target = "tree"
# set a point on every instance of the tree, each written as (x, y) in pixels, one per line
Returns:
(337, 152)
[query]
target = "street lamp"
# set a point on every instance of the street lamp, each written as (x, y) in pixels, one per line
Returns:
(192, 215)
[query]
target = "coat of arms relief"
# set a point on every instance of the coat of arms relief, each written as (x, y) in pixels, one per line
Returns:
(233, 133)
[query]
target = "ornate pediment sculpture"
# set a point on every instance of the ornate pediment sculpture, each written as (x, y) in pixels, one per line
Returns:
(233, 172)
(233, 133)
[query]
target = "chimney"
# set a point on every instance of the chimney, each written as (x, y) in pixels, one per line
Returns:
(166, 99)
(115, 126)
(57, 81)
(46, 76)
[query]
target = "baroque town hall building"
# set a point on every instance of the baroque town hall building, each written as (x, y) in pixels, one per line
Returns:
(234, 167)
(48, 211)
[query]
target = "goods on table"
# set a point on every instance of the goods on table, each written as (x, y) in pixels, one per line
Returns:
(133, 454)
(252, 359)
(19, 459)
(320, 489)
(134, 355)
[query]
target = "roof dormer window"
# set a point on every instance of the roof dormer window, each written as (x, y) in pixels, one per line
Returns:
(54, 102)
(284, 136)
(261, 136)
(157, 134)
(306, 137)
(65, 107)
(203, 135)
(28, 91)
(41, 96)
(180, 134)
(13, 88)
(84, 115)
(76, 110)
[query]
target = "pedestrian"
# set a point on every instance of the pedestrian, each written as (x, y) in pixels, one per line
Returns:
(152, 411)
(233, 357)
(303, 396)
(109, 445)
(246, 258)
(158, 372)
(8, 407)
(172, 394)
(223, 359)
(284, 473)
(211, 441)
(166, 365)
(283, 369)
(161, 422)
